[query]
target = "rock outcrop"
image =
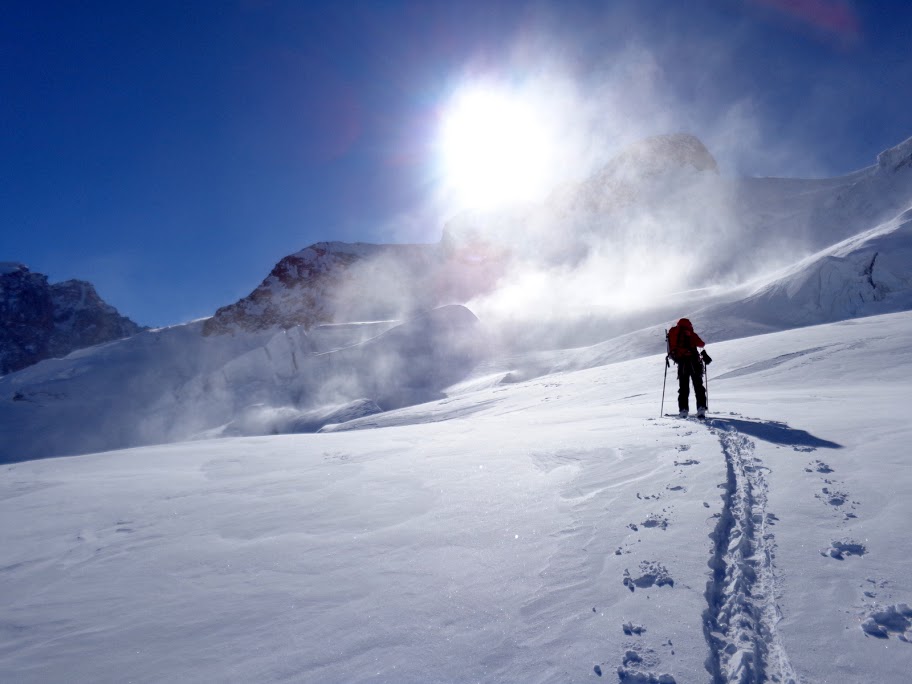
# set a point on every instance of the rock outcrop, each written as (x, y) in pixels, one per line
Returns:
(39, 320)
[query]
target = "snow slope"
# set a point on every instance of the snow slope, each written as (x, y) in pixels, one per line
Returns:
(545, 531)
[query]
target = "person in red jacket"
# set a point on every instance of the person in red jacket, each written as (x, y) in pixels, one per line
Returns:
(682, 347)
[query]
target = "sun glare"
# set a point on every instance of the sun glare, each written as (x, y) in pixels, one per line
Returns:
(495, 150)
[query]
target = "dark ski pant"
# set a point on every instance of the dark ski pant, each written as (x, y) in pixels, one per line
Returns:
(690, 369)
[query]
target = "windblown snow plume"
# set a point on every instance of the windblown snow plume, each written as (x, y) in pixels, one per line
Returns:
(176, 383)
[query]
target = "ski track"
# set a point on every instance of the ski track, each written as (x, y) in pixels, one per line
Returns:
(742, 612)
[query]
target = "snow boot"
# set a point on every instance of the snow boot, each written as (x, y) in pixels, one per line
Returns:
(684, 413)
(701, 412)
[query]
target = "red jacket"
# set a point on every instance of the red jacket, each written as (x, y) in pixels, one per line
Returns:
(683, 341)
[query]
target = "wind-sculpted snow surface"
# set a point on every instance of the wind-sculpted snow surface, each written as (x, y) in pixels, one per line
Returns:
(494, 535)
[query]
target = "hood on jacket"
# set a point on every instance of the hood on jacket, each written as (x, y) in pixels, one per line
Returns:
(685, 324)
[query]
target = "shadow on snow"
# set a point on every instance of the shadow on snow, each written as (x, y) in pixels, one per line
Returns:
(776, 433)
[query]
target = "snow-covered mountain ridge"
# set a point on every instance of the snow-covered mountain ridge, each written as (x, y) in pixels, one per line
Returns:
(863, 275)
(39, 320)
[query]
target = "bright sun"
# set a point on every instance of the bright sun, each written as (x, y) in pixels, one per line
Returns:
(495, 149)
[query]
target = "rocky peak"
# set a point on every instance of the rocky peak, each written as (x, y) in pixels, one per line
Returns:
(336, 282)
(664, 153)
(9, 267)
(659, 163)
(39, 320)
(328, 282)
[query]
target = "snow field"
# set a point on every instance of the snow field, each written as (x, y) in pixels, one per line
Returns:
(548, 531)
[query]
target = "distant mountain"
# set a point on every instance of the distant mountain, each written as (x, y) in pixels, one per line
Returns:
(39, 320)
(337, 282)
(629, 175)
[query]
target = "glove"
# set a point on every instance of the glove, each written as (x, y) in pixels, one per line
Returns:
(706, 358)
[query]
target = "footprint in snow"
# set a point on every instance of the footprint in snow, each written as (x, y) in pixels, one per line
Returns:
(833, 497)
(840, 549)
(632, 657)
(630, 629)
(651, 573)
(654, 520)
(884, 622)
(633, 676)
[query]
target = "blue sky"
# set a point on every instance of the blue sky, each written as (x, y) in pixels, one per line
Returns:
(172, 152)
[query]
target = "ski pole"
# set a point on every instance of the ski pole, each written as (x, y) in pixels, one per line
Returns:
(706, 361)
(706, 373)
(667, 352)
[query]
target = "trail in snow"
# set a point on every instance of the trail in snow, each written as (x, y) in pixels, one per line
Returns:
(742, 612)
